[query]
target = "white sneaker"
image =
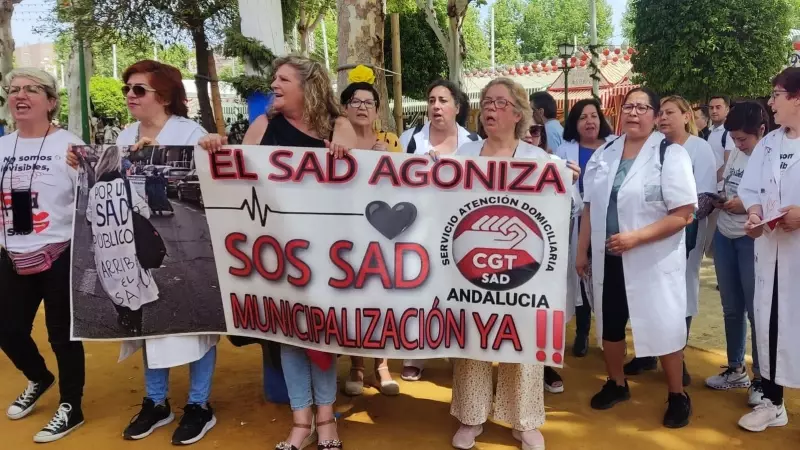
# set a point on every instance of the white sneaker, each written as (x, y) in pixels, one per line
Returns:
(731, 378)
(755, 393)
(763, 416)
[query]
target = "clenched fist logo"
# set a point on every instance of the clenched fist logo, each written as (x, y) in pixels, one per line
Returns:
(498, 247)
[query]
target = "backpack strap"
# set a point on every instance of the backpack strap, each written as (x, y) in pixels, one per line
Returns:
(724, 139)
(412, 145)
(662, 151)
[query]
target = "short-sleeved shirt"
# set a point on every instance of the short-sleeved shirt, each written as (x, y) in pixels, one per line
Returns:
(555, 133)
(732, 225)
(612, 217)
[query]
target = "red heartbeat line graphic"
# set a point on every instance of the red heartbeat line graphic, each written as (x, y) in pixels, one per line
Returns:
(253, 208)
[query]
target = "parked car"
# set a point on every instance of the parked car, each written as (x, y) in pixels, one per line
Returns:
(189, 188)
(174, 175)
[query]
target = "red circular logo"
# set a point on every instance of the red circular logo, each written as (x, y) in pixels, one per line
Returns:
(498, 247)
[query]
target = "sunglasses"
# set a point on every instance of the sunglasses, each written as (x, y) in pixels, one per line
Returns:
(139, 90)
(536, 130)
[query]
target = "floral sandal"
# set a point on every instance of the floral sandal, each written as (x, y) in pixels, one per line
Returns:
(329, 444)
(389, 388)
(355, 387)
(312, 436)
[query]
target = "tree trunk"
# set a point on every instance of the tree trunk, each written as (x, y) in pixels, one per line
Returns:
(74, 87)
(202, 77)
(215, 96)
(361, 33)
(6, 51)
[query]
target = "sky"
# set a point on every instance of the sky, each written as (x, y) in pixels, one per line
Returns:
(29, 12)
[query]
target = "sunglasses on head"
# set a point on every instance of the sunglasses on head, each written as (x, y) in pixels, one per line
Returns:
(139, 90)
(536, 130)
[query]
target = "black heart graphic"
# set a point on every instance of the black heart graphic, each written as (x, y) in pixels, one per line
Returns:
(391, 222)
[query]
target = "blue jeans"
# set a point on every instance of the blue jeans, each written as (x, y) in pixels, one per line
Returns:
(735, 267)
(200, 374)
(307, 384)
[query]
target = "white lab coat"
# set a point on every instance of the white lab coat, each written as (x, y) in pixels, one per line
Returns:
(655, 273)
(704, 166)
(422, 138)
(570, 151)
(763, 184)
(170, 351)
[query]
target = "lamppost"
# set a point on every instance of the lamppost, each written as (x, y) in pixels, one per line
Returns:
(565, 51)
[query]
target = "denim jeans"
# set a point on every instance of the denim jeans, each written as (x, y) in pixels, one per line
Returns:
(735, 267)
(200, 374)
(306, 382)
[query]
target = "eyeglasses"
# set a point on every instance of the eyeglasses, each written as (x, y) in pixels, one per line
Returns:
(640, 108)
(536, 130)
(499, 103)
(28, 88)
(777, 92)
(139, 90)
(356, 103)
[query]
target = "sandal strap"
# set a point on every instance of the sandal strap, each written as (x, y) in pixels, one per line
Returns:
(285, 446)
(326, 422)
(301, 425)
(386, 368)
(330, 444)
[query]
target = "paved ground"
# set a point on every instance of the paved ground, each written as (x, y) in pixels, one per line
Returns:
(189, 296)
(418, 418)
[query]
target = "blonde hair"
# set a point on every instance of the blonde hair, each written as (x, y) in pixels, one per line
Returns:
(684, 107)
(320, 108)
(110, 161)
(520, 102)
(40, 77)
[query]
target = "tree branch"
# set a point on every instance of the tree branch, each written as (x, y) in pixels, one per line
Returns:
(430, 17)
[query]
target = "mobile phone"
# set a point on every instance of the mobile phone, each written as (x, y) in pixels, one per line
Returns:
(22, 211)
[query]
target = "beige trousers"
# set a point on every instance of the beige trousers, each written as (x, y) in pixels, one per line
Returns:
(519, 400)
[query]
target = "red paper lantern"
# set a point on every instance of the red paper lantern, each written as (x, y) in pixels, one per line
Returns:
(572, 64)
(604, 62)
(583, 63)
(573, 59)
(617, 50)
(536, 69)
(546, 68)
(584, 57)
(554, 62)
(606, 51)
(615, 59)
(627, 57)
(631, 50)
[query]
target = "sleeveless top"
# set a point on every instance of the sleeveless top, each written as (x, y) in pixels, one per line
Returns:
(281, 132)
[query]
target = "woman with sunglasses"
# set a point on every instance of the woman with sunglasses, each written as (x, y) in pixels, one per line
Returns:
(676, 121)
(37, 186)
(519, 400)
(585, 130)
(157, 100)
(639, 195)
(535, 134)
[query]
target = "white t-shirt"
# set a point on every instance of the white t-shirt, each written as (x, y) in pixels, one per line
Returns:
(51, 182)
(177, 131)
(732, 225)
(524, 150)
(789, 151)
(715, 140)
(703, 164)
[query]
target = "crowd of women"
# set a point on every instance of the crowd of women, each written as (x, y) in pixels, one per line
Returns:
(648, 203)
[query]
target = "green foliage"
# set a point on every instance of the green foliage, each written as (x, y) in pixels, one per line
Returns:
(247, 48)
(423, 58)
(508, 22)
(548, 23)
(677, 53)
(63, 113)
(107, 98)
(249, 84)
(331, 30)
(476, 43)
(627, 22)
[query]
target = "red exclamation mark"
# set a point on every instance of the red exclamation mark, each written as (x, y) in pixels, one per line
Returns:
(558, 335)
(541, 334)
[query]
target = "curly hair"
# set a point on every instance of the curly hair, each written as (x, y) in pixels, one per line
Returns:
(520, 101)
(320, 108)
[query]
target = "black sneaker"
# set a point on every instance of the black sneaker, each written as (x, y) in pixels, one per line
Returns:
(610, 395)
(678, 410)
(687, 379)
(638, 365)
(26, 401)
(150, 417)
(581, 345)
(64, 422)
(195, 423)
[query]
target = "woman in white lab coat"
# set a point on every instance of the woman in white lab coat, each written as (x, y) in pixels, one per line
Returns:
(676, 121)
(635, 211)
(771, 187)
(585, 130)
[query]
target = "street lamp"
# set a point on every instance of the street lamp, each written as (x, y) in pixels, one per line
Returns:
(565, 51)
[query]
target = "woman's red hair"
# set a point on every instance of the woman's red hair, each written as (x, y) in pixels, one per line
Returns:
(166, 80)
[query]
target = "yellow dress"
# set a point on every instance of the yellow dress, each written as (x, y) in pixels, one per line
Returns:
(392, 141)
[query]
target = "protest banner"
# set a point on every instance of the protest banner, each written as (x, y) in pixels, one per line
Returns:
(391, 255)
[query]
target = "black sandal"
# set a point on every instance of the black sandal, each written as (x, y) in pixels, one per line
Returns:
(329, 443)
(306, 442)
(551, 377)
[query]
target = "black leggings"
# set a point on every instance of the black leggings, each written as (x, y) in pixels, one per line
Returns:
(772, 390)
(19, 302)
(615, 300)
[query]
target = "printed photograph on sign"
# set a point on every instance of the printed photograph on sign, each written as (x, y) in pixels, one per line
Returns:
(142, 262)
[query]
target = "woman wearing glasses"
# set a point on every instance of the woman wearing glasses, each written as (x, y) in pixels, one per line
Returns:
(585, 130)
(636, 208)
(519, 401)
(157, 100)
(38, 191)
(770, 188)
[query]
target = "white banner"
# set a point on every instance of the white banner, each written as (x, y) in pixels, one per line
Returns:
(391, 255)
